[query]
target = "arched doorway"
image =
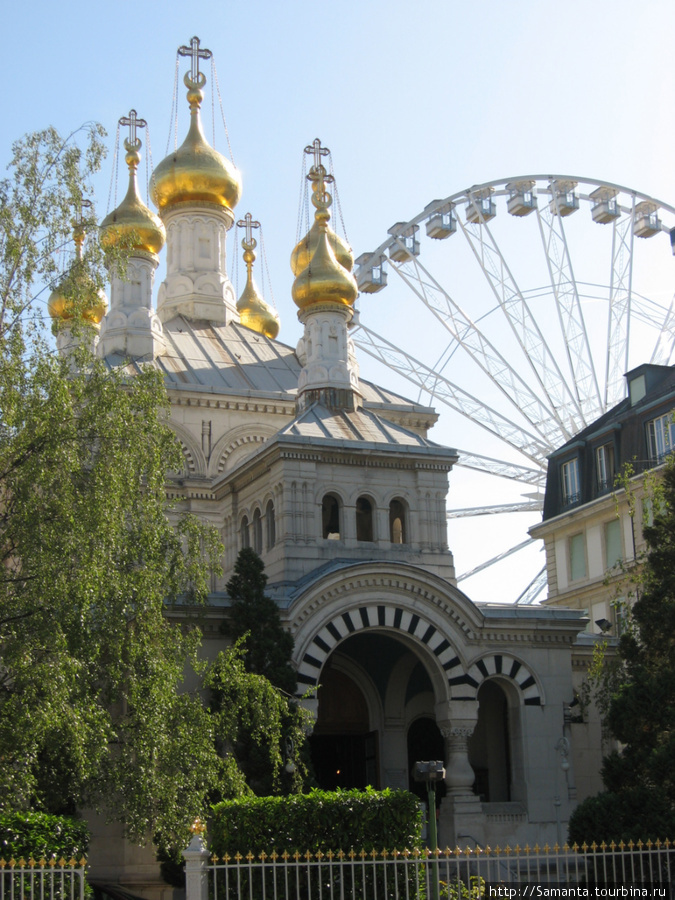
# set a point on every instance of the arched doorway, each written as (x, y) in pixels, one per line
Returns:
(344, 750)
(371, 687)
(489, 745)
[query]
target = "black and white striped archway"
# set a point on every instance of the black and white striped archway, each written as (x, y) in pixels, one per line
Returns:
(463, 681)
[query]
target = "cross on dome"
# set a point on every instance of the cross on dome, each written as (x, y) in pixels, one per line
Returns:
(248, 223)
(133, 122)
(318, 151)
(196, 53)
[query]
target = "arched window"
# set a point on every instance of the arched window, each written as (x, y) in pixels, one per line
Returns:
(271, 525)
(243, 534)
(257, 532)
(397, 522)
(330, 517)
(364, 519)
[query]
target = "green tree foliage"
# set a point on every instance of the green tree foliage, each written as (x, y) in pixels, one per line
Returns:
(93, 706)
(252, 613)
(264, 649)
(640, 779)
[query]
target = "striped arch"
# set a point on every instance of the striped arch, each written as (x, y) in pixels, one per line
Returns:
(506, 667)
(371, 617)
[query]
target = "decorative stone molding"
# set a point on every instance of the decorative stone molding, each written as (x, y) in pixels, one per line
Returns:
(507, 667)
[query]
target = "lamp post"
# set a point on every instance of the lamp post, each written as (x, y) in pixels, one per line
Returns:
(431, 772)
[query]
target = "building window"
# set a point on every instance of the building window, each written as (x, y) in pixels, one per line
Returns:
(271, 525)
(660, 437)
(613, 548)
(364, 519)
(604, 467)
(577, 557)
(257, 532)
(330, 517)
(397, 522)
(570, 482)
(243, 534)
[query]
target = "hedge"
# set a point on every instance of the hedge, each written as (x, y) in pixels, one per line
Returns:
(321, 820)
(26, 834)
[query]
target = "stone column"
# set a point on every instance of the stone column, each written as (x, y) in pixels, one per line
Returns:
(461, 818)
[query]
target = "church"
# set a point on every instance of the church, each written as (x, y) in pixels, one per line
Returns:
(339, 487)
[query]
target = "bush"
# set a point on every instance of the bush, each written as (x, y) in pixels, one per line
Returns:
(26, 834)
(320, 820)
(636, 813)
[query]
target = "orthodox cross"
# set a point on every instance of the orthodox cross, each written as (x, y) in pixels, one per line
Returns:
(133, 122)
(248, 223)
(196, 54)
(318, 151)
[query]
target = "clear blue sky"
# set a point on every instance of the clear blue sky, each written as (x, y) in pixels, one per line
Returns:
(416, 101)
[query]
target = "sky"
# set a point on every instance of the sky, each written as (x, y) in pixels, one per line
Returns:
(415, 101)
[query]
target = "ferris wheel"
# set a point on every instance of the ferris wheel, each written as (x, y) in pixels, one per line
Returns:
(520, 304)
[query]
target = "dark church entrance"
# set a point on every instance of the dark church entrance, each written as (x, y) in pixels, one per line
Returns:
(344, 750)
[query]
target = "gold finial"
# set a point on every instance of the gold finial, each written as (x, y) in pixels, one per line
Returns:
(324, 279)
(198, 827)
(254, 313)
(132, 219)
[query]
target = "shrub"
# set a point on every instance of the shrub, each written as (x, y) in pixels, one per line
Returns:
(26, 834)
(320, 820)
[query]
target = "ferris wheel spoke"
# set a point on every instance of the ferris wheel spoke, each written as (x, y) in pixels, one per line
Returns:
(502, 469)
(511, 300)
(517, 506)
(620, 294)
(568, 305)
(450, 394)
(495, 559)
(665, 343)
(466, 334)
(533, 590)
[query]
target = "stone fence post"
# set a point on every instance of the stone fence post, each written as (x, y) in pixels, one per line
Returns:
(196, 858)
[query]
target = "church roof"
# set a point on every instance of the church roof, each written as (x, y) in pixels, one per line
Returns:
(233, 359)
(318, 423)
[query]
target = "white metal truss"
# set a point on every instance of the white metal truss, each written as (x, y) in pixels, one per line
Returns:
(495, 559)
(534, 589)
(502, 468)
(665, 343)
(543, 417)
(583, 375)
(519, 316)
(518, 506)
(445, 391)
(620, 295)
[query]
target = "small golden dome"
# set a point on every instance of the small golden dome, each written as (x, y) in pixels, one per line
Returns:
(323, 279)
(253, 311)
(132, 216)
(195, 172)
(77, 283)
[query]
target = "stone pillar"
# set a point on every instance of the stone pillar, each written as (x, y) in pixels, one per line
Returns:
(461, 819)
(196, 873)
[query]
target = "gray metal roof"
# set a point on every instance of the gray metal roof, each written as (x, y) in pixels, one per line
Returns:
(233, 359)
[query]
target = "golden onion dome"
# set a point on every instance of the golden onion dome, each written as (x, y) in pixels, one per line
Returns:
(132, 218)
(323, 280)
(253, 311)
(77, 283)
(304, 250)
(195, 172)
